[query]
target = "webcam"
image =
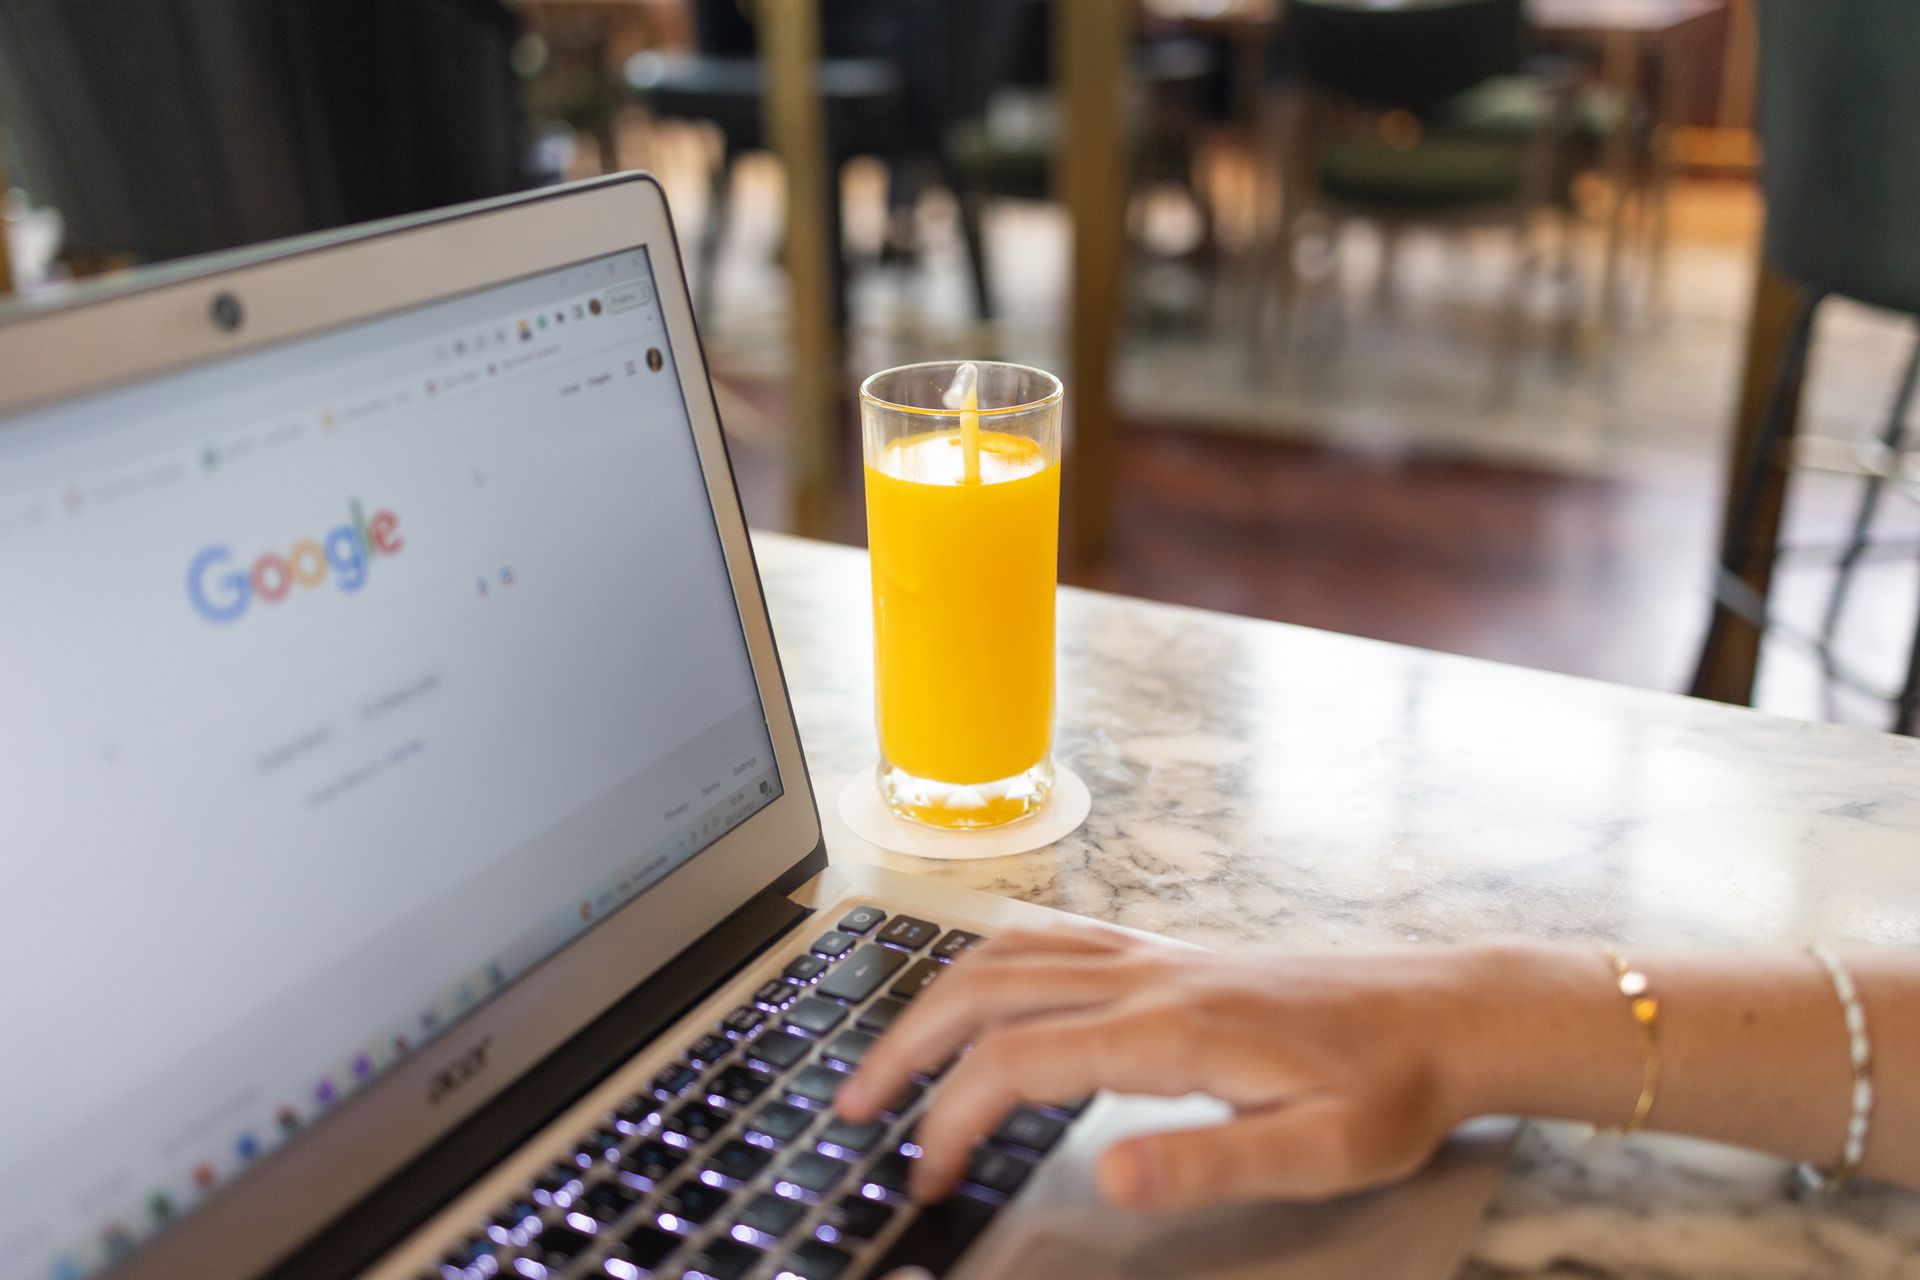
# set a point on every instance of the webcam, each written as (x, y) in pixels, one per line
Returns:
(226, 311)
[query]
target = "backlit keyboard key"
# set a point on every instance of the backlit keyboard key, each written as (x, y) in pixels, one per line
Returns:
(469, 1254)
(709, 1050)
(804, 969)
(739, 1085)
(558, 1244)
(889, 1174)
(558, 1186)
(917, 979)
(724, 1259)
(955, 944)
(832, 944)
(778, 1049)
(861, 920)
(770, 1215)
(811, 1171)
(997, 1170)
(637, 1112)
(738, 1161)
(743, 1021)
(816, 1084)
(861, 974)
(816, 1015)
(646, 1248)
(651, 1162)
(879, 1015)
(691, 1204)
(514, 1224)
(861, 1218)
(1030, 1130)
(601, 1144)
(851, 1140)
(780, 1122)
(815, 1260)
(608, 1200)
(907, 932)
(674, 1080)
(848, 1048)
(775, 994)
(696, 1121)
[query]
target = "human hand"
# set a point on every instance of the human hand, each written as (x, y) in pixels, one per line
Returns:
(1340, 1069)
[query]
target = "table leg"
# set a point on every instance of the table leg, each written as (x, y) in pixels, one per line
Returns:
(1730, 655)
(1621, 71)
(1092, 51)
(795, 124)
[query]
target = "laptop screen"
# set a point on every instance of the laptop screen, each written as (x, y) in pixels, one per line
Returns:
(340, 684)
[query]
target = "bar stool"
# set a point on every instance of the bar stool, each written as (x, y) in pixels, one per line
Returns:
(1841, 177)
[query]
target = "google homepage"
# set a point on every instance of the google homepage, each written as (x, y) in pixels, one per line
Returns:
(339, 685)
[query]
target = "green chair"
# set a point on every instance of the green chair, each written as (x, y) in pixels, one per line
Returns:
(1424, 111)
(1840, 128)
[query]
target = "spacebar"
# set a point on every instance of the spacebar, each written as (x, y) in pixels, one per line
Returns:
(937, 1236)
(861, 974)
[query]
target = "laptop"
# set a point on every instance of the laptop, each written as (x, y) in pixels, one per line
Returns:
(411, 865)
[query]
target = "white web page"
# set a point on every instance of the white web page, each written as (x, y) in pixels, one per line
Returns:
(299, 659)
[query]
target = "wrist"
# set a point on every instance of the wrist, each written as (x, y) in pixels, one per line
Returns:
(1535, 1029)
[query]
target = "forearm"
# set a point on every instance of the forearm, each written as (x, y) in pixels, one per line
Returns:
(1753, 1049)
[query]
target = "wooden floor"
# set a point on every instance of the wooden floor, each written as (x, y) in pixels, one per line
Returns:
(1591, 576)
(1541, 569)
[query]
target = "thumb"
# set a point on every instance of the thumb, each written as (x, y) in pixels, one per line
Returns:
(1302, 1151)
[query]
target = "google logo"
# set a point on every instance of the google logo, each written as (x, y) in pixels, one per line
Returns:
(221, 589)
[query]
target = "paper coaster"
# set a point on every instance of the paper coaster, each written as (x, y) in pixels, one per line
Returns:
(868, 817)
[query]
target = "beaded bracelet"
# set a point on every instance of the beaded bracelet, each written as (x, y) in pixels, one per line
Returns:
(1860, 1055)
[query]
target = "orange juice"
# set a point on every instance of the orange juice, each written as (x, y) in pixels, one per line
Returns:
(963, 592)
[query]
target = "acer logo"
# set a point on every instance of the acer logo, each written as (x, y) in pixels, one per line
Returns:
(459, 1071)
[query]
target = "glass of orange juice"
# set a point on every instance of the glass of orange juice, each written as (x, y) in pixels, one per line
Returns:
(963, 522)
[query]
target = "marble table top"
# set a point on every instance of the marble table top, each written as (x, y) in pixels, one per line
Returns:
(1254, 782)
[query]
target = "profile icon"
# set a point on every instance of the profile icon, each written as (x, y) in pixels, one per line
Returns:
(655, 360)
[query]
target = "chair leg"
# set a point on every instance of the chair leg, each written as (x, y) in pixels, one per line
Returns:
(973, 233)
(1384, 291)
(837, 245)
(1566, 344)
(719, 194)
(1513, 316)
(1907, 711)
(1891, 435)
(1736, 551)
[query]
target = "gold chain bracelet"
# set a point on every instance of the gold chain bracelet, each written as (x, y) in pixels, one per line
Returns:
(1645, 1008)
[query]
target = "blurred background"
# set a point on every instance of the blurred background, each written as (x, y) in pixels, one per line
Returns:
(1570, 333)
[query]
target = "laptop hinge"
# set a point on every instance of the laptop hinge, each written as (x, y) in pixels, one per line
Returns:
(358, 1237)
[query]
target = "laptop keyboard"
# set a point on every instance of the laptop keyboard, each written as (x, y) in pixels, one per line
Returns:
(732, 1166)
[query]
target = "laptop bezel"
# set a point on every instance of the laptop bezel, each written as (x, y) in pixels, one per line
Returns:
(96, 338)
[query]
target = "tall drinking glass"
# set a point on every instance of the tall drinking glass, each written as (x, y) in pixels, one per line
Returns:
(963, 520)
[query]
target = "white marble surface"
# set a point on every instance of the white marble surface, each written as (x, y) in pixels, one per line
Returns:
(1254, 782)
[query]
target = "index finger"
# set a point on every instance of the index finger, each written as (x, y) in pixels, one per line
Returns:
(977, 993)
